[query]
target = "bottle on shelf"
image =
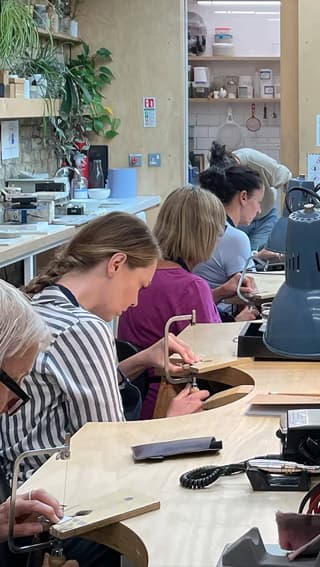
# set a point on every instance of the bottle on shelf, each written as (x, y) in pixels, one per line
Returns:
(96, 177)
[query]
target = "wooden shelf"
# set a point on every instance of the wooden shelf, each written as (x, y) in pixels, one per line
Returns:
(26, 108)
(203, 58)
(60, 37)
(234, 100)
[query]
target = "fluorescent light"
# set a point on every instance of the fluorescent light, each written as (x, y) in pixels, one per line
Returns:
(238, 3)
(245, 12)
(269, 13)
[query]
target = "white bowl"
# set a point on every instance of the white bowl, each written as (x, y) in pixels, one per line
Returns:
(99, 193)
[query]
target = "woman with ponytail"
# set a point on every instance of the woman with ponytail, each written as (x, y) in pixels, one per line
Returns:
(274, 176)
(95, 277)
(241, 191)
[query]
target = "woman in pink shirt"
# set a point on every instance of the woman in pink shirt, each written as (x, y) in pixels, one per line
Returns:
(187, 228)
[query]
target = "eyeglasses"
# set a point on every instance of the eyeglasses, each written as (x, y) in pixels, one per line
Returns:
(15, 388)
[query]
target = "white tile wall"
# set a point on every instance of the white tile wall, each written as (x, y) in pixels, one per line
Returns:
(206, 118)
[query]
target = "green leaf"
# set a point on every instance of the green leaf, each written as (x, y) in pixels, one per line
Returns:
(104, 52)
(111, 134)
(85, 48)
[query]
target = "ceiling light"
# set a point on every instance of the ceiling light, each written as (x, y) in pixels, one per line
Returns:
(238, 2)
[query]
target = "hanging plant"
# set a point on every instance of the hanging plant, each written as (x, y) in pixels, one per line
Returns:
(17, 30)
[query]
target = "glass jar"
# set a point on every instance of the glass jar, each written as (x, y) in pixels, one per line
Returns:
(96, 177)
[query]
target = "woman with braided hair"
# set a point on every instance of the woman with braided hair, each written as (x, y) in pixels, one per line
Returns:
(95, 277)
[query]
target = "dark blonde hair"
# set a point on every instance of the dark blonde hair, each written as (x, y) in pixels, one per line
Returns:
(189, 224)
(98, 241)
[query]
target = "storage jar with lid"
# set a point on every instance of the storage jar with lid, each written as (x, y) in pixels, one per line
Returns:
(223, 35)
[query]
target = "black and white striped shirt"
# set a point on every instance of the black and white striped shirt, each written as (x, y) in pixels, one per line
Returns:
(73, 382)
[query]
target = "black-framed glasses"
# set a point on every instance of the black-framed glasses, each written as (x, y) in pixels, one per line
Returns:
(15, 388)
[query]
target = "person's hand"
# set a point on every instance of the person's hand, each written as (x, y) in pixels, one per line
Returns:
(248, 313)
(229, 288)
(155, 354)
(273, 257)
(27, 513)
(70, 563)
(187, 401)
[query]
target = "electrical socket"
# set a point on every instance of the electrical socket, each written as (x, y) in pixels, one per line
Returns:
(135, 160)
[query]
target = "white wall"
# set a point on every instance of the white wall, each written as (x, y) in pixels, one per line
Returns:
(254, 34)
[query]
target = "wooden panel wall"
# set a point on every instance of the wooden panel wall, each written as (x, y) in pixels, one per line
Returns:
(146, 38)
(289, 80)
(309, 77)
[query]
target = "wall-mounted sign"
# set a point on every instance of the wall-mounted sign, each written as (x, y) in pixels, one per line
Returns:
(149, 112)
(9, 139)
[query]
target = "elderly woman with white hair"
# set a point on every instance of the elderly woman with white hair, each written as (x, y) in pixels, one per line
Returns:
(23, 333)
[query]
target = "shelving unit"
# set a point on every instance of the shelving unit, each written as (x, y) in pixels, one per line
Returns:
(207, 58)
(27, 108)
(60, 37)
(234, 100)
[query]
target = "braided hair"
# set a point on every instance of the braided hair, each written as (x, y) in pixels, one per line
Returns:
(98, 241)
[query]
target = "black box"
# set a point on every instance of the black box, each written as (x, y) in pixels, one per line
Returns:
(250, 343)
(99, 152)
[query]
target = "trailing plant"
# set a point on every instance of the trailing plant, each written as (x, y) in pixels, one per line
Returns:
(17, 30)
(83, 108)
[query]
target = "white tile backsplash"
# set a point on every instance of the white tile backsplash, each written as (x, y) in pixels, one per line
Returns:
(266, 140)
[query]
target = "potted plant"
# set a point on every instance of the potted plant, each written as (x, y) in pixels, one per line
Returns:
(83, 109)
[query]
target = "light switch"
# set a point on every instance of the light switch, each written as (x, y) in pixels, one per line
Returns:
(154, 160)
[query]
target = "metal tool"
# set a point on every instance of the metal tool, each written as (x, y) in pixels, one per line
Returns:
(63, 454)
(183, 379)
(246, 298)
(282, 467)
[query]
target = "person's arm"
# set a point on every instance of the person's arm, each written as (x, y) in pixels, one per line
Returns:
(83, 361)
(229, 289)
(154, 357)
(27, 512)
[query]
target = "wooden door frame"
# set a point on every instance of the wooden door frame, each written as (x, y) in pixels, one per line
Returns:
(289, 81)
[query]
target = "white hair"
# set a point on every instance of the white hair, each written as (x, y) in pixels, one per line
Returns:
(20, 326)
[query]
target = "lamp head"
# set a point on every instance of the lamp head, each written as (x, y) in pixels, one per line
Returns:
(296, 197)
(293, 327)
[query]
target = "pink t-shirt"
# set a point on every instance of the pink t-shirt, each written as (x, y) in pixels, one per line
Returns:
(173, 291)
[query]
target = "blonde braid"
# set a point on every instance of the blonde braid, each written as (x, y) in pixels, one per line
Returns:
(57, 267)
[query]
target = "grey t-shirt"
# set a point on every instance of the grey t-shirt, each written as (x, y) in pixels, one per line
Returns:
(229, 257)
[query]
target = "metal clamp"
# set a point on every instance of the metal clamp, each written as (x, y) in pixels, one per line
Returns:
(63, 453)
(169, 378)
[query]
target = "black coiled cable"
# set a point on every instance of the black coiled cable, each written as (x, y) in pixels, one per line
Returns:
(204, 476)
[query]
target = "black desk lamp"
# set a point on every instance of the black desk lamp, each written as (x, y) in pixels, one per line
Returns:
(277, 239)
(293, 326)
